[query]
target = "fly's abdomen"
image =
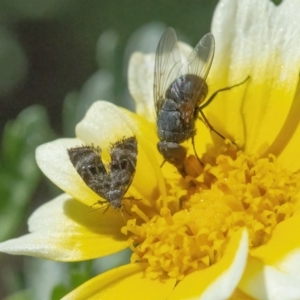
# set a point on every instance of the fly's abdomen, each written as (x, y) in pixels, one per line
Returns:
(169, 124)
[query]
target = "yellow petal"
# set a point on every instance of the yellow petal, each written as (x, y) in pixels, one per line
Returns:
(287, 231)
(64, 230)
(205, 138)
(126, 282)
(220, 280)
(148, 139)
(287, 142)
(256, 38)
(239, 295)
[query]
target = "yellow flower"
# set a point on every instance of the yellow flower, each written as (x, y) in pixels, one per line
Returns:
(230, 229)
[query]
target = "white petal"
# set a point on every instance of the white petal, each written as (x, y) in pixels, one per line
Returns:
(273, 282)
(256, 38)
(103, 124)
(140, 81)
(246, 31)
(53, 160)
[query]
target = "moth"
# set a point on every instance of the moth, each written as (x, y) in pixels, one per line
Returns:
(179, 90)
(110, 182)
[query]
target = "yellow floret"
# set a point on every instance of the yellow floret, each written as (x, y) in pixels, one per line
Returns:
(237, 190)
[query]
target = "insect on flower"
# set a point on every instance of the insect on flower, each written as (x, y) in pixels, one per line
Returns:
(179, 89)
(112, 182)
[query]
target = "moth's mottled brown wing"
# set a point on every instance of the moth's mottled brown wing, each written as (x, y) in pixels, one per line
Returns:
(123, 164)
(88, 164)
(114, 183)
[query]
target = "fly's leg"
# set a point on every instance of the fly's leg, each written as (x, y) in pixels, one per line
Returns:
(161, 165)
(210, 126)
(193, 143)
(212, 97)
(205, 120)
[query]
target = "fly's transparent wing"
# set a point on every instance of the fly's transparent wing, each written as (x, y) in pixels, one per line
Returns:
(198, 63)
(167, 66)
(200, 60)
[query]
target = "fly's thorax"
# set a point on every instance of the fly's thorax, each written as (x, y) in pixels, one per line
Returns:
(185, 88)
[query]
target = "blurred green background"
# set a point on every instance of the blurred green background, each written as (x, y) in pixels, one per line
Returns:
(56, 58)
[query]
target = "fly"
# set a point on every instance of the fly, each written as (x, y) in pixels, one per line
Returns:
(179, 89)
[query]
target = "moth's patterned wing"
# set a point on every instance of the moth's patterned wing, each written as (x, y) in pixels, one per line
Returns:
(122, 167)
(88, 164)
(113, 184)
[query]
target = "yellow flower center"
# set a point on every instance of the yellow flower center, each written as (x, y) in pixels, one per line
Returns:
(233, 190)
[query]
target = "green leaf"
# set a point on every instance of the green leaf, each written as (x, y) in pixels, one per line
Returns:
(80, 272)
(20, 295)
(58, 292)
(69, 113)
(19, 173)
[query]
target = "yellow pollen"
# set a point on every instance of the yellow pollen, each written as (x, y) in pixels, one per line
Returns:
(233, 190)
